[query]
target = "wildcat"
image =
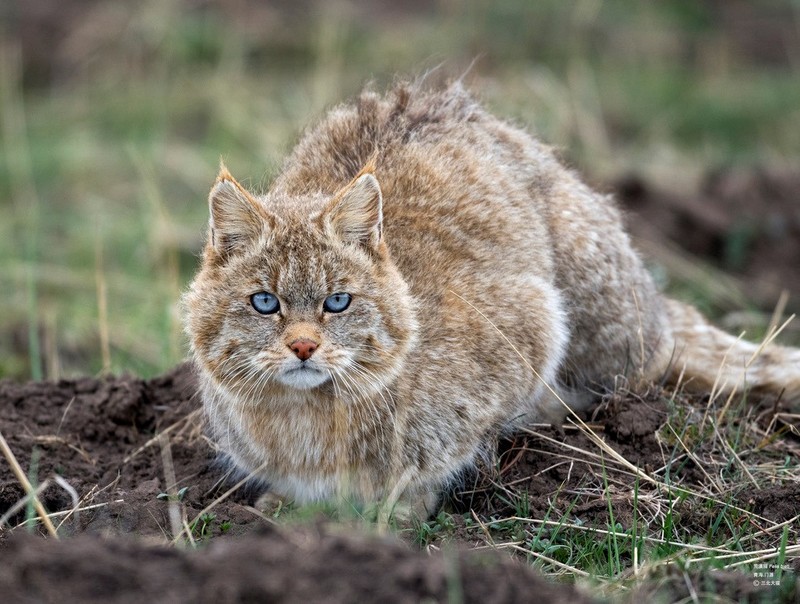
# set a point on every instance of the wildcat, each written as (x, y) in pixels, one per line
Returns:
(421, 276)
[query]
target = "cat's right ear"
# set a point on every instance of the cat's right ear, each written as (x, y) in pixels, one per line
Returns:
(235, 217)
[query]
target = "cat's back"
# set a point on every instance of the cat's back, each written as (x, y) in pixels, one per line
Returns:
(458, 184)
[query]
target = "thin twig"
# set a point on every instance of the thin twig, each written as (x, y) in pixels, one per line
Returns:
(172, 493)
(29, 490)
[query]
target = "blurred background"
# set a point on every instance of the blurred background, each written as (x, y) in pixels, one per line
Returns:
(114, 115)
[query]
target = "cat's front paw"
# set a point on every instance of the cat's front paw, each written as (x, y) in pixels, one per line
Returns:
(420, 506)
(271, 503)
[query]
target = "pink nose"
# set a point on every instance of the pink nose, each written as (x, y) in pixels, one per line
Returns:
(303, 348)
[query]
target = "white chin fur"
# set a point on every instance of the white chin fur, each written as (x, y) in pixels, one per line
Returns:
(302, 379)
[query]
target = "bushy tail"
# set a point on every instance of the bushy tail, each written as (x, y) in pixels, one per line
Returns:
(707, 359)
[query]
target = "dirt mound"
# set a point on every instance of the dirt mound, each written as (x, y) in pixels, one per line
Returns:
(97, 435)
(274, 566)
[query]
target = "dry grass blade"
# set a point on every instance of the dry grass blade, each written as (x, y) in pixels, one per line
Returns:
(590, 529)
(484, 528)
(180, 423)
(259, 514)
(556, 563)
(718, 387)
(188, 530)
(171, 481)
(60, 481)
(517, 547)
(66, 514)
(768, 555)
(768, 339)
(102, 307)
(26, 485)
(780, 308)
(49, 439)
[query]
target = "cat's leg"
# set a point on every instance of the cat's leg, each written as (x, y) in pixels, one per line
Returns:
(419, 506)
(270, 502)
(535, 327)
(554, 405)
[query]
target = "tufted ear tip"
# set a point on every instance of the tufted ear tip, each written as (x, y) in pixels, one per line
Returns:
(224, 174)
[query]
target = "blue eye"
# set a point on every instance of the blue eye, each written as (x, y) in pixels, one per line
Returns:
(337, 302)
(265, 303)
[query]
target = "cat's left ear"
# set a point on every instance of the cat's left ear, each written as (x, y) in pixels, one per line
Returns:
(356, 213)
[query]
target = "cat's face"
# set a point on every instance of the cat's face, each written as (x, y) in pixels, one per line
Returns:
(298, 294)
